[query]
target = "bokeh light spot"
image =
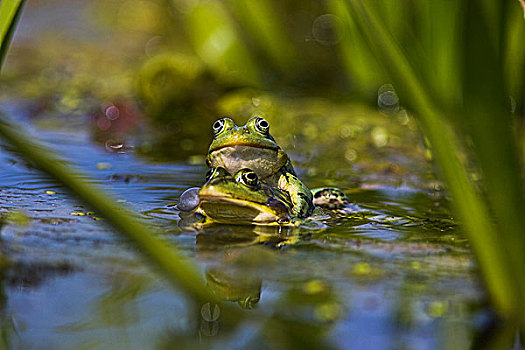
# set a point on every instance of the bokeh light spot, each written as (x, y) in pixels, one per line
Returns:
(328, 29)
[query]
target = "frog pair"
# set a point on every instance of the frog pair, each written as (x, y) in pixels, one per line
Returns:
(252, 178)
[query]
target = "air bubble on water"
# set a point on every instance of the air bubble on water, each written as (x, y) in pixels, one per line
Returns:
(328, 29)
(112, 112)
(153, 45)
(350, 155)
(114, 146)
(347, 131)
(387, 99)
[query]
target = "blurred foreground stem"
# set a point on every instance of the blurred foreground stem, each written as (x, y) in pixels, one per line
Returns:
(499, 270)
(10, 12)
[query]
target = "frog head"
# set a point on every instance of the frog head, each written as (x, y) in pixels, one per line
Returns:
(242, 199)
(250, 146)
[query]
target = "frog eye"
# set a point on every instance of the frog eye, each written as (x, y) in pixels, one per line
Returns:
(262, 125)
(248, 177)
(218, 126)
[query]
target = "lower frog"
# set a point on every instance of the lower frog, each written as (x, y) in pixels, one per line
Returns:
(244, 199)
(238, 199)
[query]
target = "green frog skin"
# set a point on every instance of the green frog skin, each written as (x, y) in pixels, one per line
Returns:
(242, 199)
(252, 147)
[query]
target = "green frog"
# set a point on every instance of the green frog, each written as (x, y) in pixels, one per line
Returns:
(251, 146)
(243, 199)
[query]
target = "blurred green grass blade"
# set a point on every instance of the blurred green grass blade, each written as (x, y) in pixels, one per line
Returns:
(363, 70)
(10, 11)
(263, 25)
(164, 256)
(395, 14)
(217, 43)
(491, 15)
(490, 124)
(490, 253)
(437, 27)
(514, 64)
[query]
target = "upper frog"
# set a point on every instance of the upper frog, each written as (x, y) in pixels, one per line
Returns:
(251, 146)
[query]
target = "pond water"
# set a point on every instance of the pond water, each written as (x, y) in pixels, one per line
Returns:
(399, 276)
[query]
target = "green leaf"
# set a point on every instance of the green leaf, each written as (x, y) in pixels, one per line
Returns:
(406, 70)
(362, 68)
(10, 11)
(262, 23)
(218, 44)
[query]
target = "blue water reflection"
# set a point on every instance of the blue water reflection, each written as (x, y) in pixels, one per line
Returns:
(399, 276)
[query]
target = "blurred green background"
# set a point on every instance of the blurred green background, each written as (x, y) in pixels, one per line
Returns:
(356, 80)
(171, 68)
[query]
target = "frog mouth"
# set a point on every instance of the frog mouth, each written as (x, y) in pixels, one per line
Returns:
(218, 199)
(224, 209)
(246, 143)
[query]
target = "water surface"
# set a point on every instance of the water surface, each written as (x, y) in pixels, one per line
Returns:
(398, 274)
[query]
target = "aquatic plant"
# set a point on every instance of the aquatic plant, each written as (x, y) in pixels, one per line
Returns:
(458, 66)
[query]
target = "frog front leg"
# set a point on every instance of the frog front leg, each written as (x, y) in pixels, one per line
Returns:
(300, 195)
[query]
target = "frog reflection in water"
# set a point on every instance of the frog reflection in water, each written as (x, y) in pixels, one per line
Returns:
(251, 146)
(244, 199)
(246, 291)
